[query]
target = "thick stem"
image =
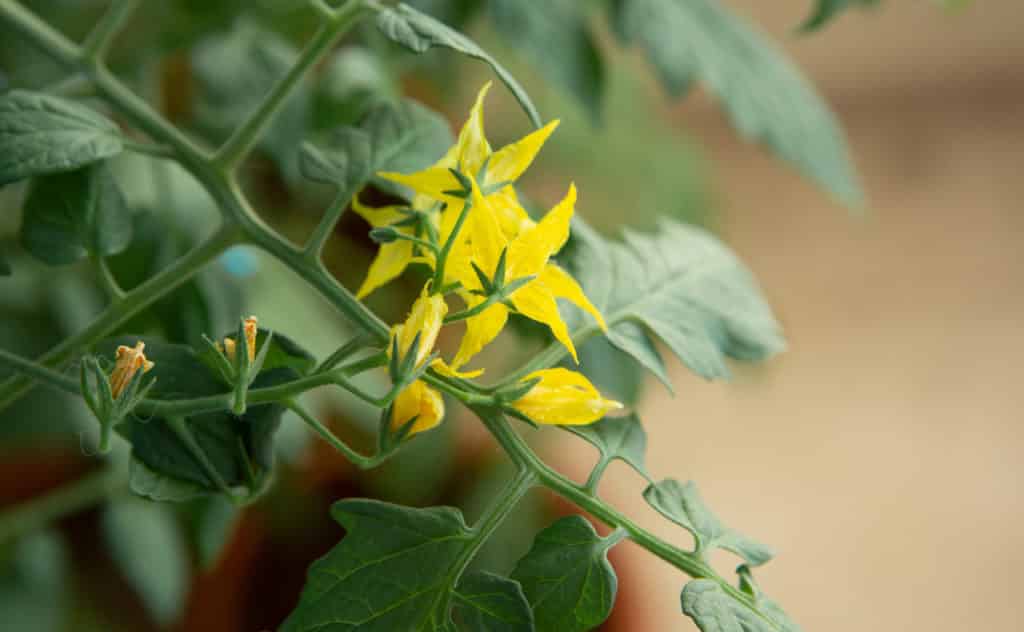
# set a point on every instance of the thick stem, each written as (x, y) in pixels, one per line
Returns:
(315, 245)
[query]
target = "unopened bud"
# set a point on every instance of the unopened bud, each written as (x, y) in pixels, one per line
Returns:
(128, 362)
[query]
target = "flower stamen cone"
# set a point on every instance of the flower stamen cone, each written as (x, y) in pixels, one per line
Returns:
(128, 361)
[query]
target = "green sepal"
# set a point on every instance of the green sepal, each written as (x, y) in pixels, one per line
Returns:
(384, 235)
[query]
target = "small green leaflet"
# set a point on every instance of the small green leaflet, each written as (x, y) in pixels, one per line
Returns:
(559, 43)
(682, 504)
(567, 577)
(680, 284)
(394, 570)
(617, 438)
(70, 215)
(714, 610)
(826, 10)
(485, 602)
(146, 543)
(419, 33)
(765, 95)
(42, 134)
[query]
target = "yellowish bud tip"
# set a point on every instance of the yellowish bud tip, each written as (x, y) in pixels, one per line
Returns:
(228, 348)
(250, 337)
(127, 362)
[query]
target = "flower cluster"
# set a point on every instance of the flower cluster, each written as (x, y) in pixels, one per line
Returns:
(467, 224)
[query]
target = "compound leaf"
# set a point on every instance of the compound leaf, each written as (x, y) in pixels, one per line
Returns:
(70, 215)
(42, 134)
(419, 32)
(682, 285)
(567, 577)
(715, 610)
(620, 438)
(764, 94)
(683, 505)
(485, 602)
(394, 570)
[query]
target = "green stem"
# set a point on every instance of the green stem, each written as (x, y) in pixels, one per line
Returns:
(102, 36)
(315, 245)
(118, 313)
(38, 372)
(360, 461)
(473, 311)
(107, 280)
(244, 138)
(595, 476)
(150, 149)
(442, 258)
(35, 514)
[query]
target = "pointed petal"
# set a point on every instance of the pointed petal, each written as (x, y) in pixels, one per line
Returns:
(377, 216)
(480, 330)
(432, 181)
(472, 145)
(562, 285)
(533, 247)
(442, 367)
(563, 397)
(417, 400)
(391, 261)
(486, 236)
(534, 301)
(509, 162)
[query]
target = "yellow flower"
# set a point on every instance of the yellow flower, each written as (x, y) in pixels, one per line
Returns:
(563, 397)
(251, 329)
(127, 363)
(527, 255)
(394, 257)
(419, 400)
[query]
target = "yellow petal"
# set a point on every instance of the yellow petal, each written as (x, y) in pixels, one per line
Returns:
(442, 367)
(534, 246)
(563, 397)
(534, 301)
(480, 330)
(512, 217)
(486, 236)
(509, 162)
(432, 181)
(377, 217)
(472, 145)
(425, 319)
(562, 285)
(420, 401)
(391, 261)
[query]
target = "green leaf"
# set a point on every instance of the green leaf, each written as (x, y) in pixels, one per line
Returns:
(419, 32)
(680, 284)
(403, 137)
(42, 134)
(354, 79)
(485, 602)
(233, 451)
(145, 541)
(615, 373)
(715, 610)
(33, 583)
(71, 215)
(150, 484)
(394, 570)
(765, 95)
(558, 42)
(683, 505)
(567, 577)
(620, 438)
(826, 10)
(212, 521)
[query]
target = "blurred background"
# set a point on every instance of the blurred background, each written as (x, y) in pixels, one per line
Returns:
(880, 456)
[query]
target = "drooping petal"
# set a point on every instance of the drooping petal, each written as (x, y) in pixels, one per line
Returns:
(472, 145)
(534, 301)
(425, 320)
(377, 216)
(420, 401)
(562, 285)
(509, 162)
(432, 181)
(391, 261)
(442, 367)
(563, 397)
(533, 247)
(480, 330)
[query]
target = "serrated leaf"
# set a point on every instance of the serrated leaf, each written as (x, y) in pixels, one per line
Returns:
(764, 94)
(827, 10)
(239, 450)
(620, 438)
(394, 570)
(419, 32)
(145, 541)
(43, 134)
(485, 602)
(682, 285)
(683, 505)
(70, 215)
(559, 43)
(346, 164)
(567, 578)
(714, 610)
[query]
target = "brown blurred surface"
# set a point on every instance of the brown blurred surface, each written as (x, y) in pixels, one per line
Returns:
(881, 455)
